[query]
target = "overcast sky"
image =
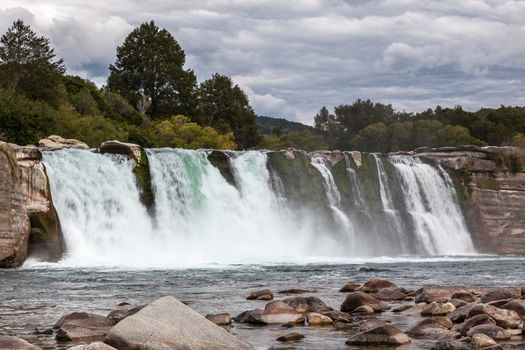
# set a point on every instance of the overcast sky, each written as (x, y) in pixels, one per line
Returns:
(293, 57)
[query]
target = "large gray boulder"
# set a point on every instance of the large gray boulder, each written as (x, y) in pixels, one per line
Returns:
(58, 142)
(14, 343)
(169, 324)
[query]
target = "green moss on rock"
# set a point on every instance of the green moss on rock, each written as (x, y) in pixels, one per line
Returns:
(143, 178)
(221, 161)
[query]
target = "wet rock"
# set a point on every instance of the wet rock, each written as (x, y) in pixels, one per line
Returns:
(290, 337)
(79, 325)
(439, 334)
(480, 341)
(376, 284)
(307, 304)
(57, 142)
(382, 335)
(364, 310)
(493, 331)
(357, 299)
(371, 324)
(167, 323)
(504, 318)
(500, 294)
(342, 326)
(450, 344)
(7, 342)
(264, 294)
(48, 331)
(440, 295)
(458, 302)
(391, 293)
(350, 287)
(460, 314)
(116, 147)
(124, 303)
(401, 308)
(93, 346)
(338, 316)
(118, 315)
(222, 319)
(297, 291)
(316, 319)
(499, 303)
(276, 312)
(465, 296)
(437, 309)
(475, 321)
(421, 327)
(515, 305)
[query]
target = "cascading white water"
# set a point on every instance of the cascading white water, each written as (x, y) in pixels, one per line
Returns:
(431, 201)
(359, 200)
(200, 218)
(333, 196)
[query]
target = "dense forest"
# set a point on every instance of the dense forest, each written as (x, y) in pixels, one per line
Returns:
(151, 99)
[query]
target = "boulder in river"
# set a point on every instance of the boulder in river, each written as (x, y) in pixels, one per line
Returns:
(338, 316)
(493, 331)
(501, 294)
(516, 305)
(307, 304)
(504, 318)
(475, 321)
(7, 342)
(464, 295)
(350, 287)
(316, 319)
(297, 291)
(480, 341)
(222, 319)
(382, 335)
(57, 142)
(79, 325)
(376, 284)
(263, 294)
(93, 346)
(116, 147)
(421, 327)
(461, 313)
(356, 299)
(167, 323)
(437, 294)
(290, 337)
(275, 312)
(437, 309)
(391, 293)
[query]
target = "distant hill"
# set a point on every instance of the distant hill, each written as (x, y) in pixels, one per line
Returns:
(267, 125)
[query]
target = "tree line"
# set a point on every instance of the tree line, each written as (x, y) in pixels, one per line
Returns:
(150, 98)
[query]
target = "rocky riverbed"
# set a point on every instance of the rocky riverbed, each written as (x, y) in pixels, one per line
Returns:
(365, 311)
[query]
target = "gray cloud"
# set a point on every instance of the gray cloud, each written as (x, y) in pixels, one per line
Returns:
(292, 57)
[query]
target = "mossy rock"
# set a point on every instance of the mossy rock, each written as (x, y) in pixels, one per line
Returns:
(221, 161)
(143, 178)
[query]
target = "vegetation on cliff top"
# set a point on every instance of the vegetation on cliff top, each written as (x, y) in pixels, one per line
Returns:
(152, 99)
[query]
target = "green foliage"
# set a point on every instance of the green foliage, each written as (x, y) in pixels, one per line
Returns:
(179, 131)
(515, 164)
(305, 140)
(518, 140)
(149, 73)
(225, 107)
(269, 126)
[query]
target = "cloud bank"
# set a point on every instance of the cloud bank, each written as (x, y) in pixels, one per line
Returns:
(292, 57)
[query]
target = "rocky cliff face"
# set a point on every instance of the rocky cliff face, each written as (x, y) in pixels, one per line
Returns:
(491, 185)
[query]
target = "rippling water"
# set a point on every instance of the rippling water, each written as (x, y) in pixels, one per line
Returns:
(38, 295)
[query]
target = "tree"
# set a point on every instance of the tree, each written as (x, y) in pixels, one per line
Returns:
(28, 65)
(305, 140)
(149, 72)
(225, 107)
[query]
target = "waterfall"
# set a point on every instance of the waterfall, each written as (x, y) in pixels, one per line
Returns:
(333, 196)
(201, 218)
(431, 201)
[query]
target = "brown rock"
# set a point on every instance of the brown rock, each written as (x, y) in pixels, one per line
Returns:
(93, 346)
(307, 304)
(264, 294)
(356, 299)
(116, 147)
(436, 309)
(364, 310)
(391, 293)
(504, 318)
(350, 287)
(451, 344)
(458, 302)
(371, 324)
(14, 343)
(475, 321)
(480, 341)
(338, 316)
(460, 314)
(290, 337)
(465, 296)
(421, 327)
(500, 294)
(276, 312)
(118, 315)
(376, 284)
(78, 325)
(382, 335)
(493, 331)
(440, 295)
(57, 142)
(223, 319)
(401, 308)
(316, 319)
(515, 305)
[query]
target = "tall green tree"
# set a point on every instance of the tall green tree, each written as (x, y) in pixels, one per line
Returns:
(225, 107)
(149, 72)
(29, 66)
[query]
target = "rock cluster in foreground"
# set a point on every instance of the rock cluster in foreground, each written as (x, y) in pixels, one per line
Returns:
(447, 318)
